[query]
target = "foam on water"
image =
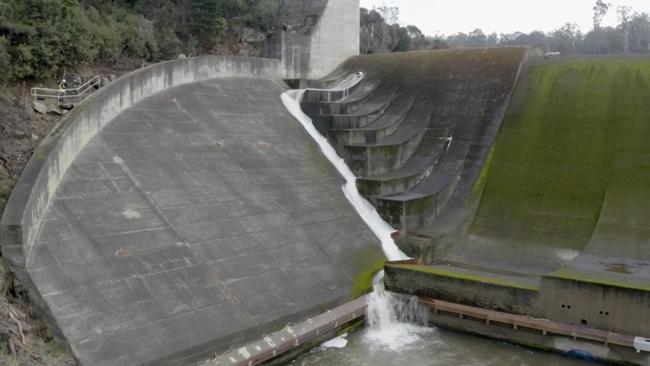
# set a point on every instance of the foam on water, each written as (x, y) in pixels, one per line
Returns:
(338, 342)
(394, 322)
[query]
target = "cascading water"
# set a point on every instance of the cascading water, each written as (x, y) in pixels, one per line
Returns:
(379, 227)
(395, 321)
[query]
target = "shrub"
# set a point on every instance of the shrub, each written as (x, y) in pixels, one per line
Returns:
(5, 62)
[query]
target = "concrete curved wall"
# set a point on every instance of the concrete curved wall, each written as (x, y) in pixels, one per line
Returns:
(41, 178)
(436, 114)
(182, 210)
(560, 230)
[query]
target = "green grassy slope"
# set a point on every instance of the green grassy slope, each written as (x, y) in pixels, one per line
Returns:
(572, 161)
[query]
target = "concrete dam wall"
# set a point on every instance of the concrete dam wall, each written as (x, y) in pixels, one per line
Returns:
(420, 126)
(560, 230)
(538, 210)
(567, 175)
(180, 211)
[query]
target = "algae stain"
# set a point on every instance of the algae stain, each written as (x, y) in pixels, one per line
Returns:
(363, 280)
(481, 182)
(618, 268)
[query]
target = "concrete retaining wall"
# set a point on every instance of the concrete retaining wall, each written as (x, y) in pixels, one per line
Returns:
(595, 305)
(333, 39)
(44, 172)
(482, 294)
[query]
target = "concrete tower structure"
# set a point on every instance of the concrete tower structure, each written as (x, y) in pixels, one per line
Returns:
(318, 36)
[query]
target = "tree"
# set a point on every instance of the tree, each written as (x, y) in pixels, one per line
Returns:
(566, 38)
(457, 40)
(492, 40)
(639, 33)
(624, 15)
(380, 35)
(417, 39)
(477, 38)
(206, 22)
(400, 40)
(5, 62)
(439, 44)
(600, 10)
(372, 31)
(390, 14)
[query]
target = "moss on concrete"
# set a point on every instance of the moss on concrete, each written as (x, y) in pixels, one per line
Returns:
(601, 278)
(363, 280)
(479, 185)
(561, 147)
(436, 271)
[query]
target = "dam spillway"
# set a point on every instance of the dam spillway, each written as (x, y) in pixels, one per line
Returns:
(530, 204)
(183, 210)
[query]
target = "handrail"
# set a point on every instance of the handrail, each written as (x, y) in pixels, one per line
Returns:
(66, 93)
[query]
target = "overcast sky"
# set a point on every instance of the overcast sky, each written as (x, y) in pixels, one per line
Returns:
(503, 16)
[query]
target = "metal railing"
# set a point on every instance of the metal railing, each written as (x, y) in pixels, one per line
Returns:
(65, 94)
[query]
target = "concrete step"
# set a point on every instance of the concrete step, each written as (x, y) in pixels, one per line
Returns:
(368, 113)
(332, 95)
(346, 105)
(412, 209)
(414, 171)
(379, 129)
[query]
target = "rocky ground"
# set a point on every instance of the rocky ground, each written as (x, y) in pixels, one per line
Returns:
(24, 339)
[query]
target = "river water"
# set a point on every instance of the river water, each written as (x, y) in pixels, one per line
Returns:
(396, 333)
(433, 347)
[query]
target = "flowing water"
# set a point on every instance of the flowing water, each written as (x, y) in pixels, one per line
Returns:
(433, 347)
(397, 332)
(379, 227)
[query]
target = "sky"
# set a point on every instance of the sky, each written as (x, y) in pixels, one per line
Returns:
(502, 16)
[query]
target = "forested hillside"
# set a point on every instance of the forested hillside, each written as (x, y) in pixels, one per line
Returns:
(40, 38)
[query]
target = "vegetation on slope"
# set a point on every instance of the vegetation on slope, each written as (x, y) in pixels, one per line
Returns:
(42, 38)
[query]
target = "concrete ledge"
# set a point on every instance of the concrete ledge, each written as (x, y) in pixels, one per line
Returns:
(413, 210)
(308, 332)
(381, 159)
(537, 333)
(45, 170)
(463, 287)
(584, 299)
(345, 106)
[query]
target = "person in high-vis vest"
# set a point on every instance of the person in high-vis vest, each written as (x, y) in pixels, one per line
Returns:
(63, 85)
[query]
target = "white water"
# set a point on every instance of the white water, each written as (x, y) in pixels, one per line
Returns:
(338, 342)
(379, 227)
(394, 321)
